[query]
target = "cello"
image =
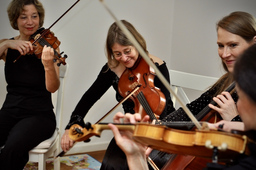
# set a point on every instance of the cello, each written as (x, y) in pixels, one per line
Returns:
(148, 100)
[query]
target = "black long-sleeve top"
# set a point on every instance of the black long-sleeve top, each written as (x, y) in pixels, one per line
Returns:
(196, 106)
(107, 78)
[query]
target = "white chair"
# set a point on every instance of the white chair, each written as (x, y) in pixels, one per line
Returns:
(180, 80)
(51, 146)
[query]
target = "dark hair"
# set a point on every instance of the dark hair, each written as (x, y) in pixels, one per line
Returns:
(116, 35)
(239, 23)
(16, 7)
(245, 72)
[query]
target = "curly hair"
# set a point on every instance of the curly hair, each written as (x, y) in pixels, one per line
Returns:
(16, 7)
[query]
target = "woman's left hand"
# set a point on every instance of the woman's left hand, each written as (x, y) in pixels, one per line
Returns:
(227, 125)
(134, 151)
(124, 139)
(52, 81)
(47, 57)
(226, 106)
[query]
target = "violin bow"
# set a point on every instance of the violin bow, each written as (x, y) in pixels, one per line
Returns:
(58, 20)
(123, 100)
(147, 59)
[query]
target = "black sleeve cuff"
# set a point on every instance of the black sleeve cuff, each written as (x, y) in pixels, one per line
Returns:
(237, 119)
(76, 119)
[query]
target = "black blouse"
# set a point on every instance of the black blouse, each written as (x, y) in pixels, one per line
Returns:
(26, 83)
(196, 106)
(107, 78)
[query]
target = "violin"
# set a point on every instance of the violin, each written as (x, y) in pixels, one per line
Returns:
(148, 100)
(201, 143)
(44, 37)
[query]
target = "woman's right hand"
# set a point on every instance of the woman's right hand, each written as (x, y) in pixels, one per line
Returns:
(66, 142)
(22, 46)
(226, 106)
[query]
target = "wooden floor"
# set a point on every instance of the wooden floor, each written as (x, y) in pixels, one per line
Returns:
(98, 155)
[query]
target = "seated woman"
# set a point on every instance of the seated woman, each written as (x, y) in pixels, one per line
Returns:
(26, 116)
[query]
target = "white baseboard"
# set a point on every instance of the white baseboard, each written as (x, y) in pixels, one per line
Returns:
(87, 147)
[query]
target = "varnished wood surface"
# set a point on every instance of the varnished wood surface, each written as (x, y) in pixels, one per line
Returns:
(98, 155)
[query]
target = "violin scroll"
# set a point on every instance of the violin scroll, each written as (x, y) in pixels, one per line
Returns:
(78, 133)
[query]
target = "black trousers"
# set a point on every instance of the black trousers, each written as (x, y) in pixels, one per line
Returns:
(115, 158)
(21, 131)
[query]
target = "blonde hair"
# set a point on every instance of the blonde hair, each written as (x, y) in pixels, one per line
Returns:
(116, 35)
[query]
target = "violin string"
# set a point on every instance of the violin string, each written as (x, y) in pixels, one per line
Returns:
(43, 42)
(147, 59)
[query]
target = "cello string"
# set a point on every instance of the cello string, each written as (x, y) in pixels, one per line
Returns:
(146, 106)
(147, 59)
(152, 163)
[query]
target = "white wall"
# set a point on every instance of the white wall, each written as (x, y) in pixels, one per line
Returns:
(180, 32)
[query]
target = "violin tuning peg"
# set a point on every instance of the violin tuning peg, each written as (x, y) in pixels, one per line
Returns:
(79, 131)
(88, 125)
(88, 140)
(61, 52)
(65, 56)
(58, 64)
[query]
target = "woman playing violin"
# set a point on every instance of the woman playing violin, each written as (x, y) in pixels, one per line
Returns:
(235, 33)
(245, 77)
(27, 108)
(121, 54)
